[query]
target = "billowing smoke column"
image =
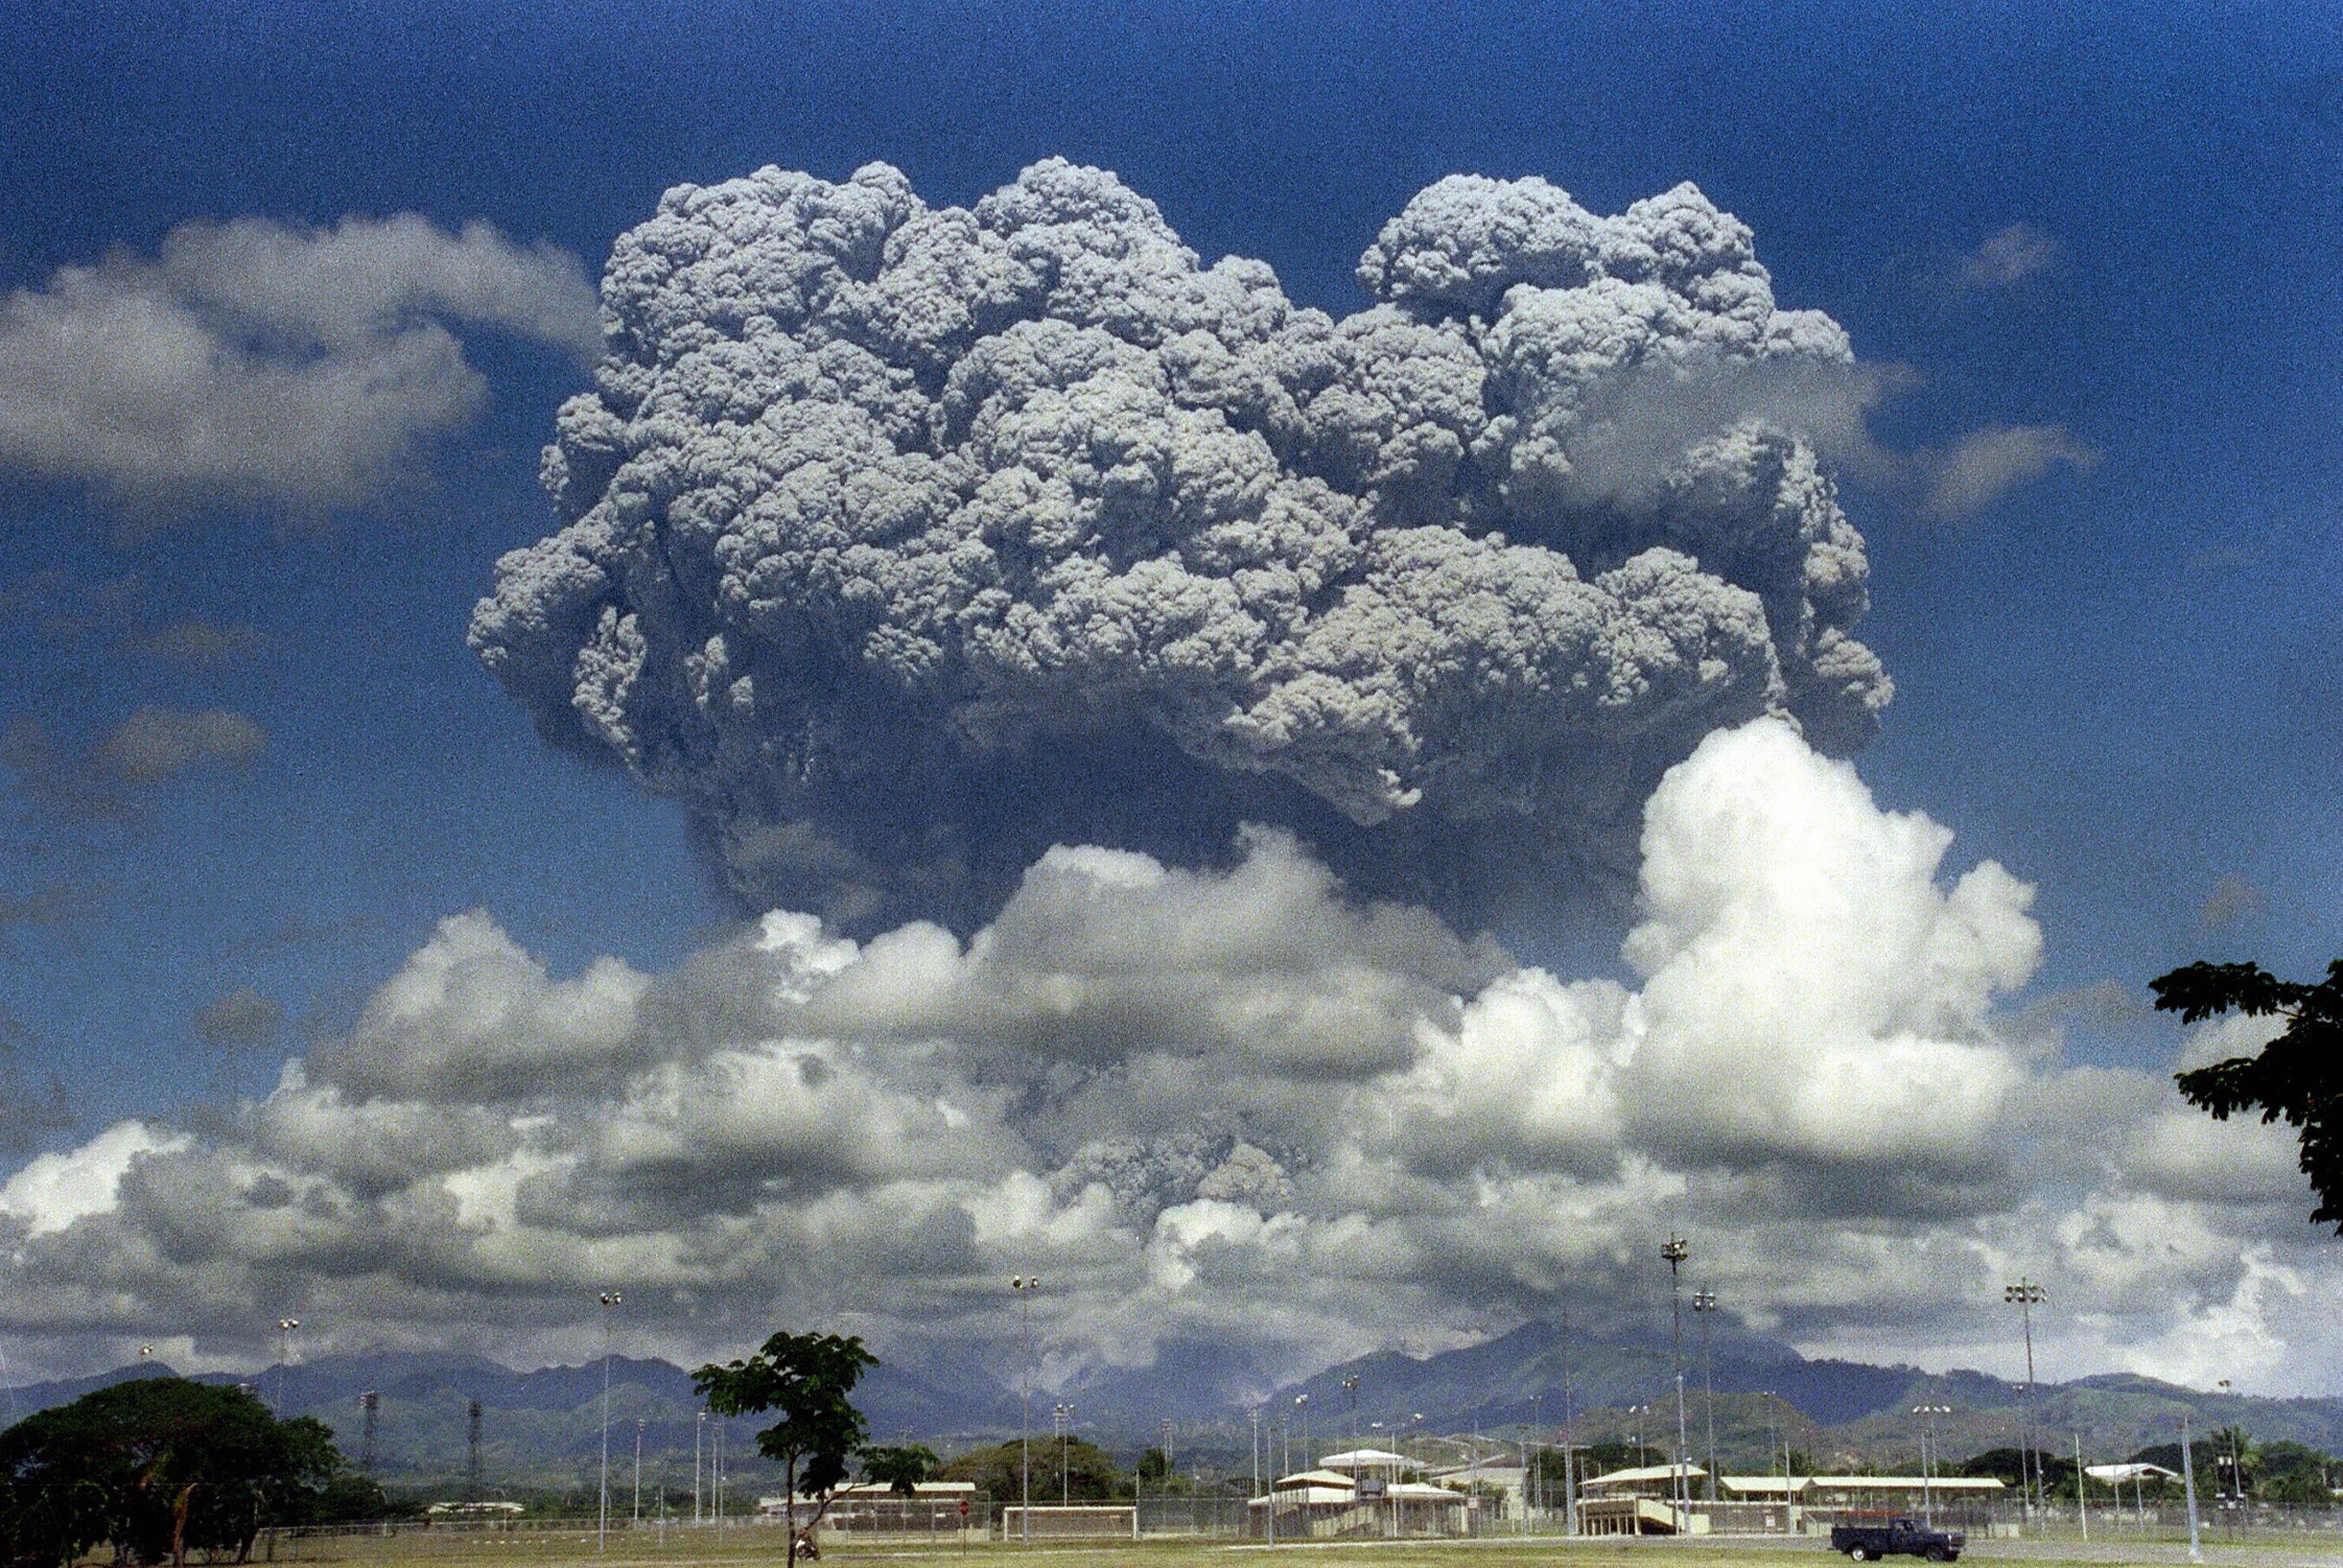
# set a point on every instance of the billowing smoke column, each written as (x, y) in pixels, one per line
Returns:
(899, 543)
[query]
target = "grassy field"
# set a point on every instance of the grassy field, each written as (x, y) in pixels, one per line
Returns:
(683, 1548)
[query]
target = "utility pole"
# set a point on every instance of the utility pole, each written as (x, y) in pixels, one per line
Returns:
(1675, 1250)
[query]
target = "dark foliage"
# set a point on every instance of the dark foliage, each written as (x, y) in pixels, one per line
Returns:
(901, 1469)
(808, 1378)
(159, 1467)
(2298, 1077)
(1079, 1471)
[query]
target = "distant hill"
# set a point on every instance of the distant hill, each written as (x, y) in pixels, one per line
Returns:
(542, 1430)
(1841, 1412)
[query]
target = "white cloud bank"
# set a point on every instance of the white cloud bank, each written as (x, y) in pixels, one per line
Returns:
(1239, 1106)
(250, 362)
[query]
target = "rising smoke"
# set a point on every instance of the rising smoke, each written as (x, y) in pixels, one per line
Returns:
(899, 543)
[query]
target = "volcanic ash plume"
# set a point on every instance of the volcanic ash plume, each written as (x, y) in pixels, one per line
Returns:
(899, 543)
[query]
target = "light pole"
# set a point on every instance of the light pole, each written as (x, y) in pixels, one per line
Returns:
(1025, 1285)
(1537, 1425)
(1301, 1405)
(610, 1299)
(1256, 1451)
(2026, 1295)
(1703, 1306)
(1675, 1250)
(2082, 1503)
(2188, 1474)
(1928, 1414)
(2237, 1462)
(1391, 1472)
(1524, 1433)
(638, 1470)
(1062, 1417)
(1569, 1474)
(285, 1329)
(699, 1431)
(1351, 1387)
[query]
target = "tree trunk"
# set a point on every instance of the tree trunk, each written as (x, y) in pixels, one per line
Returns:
(179, 1525)
(790, 1507)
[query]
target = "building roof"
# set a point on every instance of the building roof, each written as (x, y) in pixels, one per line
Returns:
(2118, 1472)
(1315, 1478)
(1641, 1475)
(1402, 1492)
(1365, 1459)
(1904, 1483)
(1780, 1486)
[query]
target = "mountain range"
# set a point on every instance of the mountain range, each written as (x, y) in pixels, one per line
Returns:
(542, 1430)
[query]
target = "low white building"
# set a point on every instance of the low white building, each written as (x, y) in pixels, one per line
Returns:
(855, 1492)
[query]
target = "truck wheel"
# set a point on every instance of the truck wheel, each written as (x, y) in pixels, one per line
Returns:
(1938, 1554)
(1858, 1553)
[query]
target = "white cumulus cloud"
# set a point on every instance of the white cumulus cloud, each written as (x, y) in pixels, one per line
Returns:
(1243, 1106)
(252, 362)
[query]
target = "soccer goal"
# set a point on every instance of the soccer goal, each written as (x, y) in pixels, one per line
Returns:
(1087, 1521)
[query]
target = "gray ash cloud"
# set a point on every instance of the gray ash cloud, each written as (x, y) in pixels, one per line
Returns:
(898, 542)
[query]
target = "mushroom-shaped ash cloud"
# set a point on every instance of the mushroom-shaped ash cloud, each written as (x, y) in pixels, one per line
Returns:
(899, 543)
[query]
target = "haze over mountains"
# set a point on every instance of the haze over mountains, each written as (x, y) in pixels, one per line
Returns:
(542, 1428)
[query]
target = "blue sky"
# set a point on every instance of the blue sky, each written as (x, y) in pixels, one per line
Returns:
(2118, 680)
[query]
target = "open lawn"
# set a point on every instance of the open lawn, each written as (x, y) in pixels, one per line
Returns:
(684, 1548)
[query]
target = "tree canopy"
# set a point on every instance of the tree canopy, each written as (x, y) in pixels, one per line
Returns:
(808, 1378)
(2297, 1078)
(159, 1467)
(1068, 1466)
(901, 1469)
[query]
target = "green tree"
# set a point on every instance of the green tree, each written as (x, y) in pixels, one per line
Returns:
(902, 1469)
(1090, 1474)
(2297, 1078)
(808, 1378)
(158, 1466)
(2293, 1473)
